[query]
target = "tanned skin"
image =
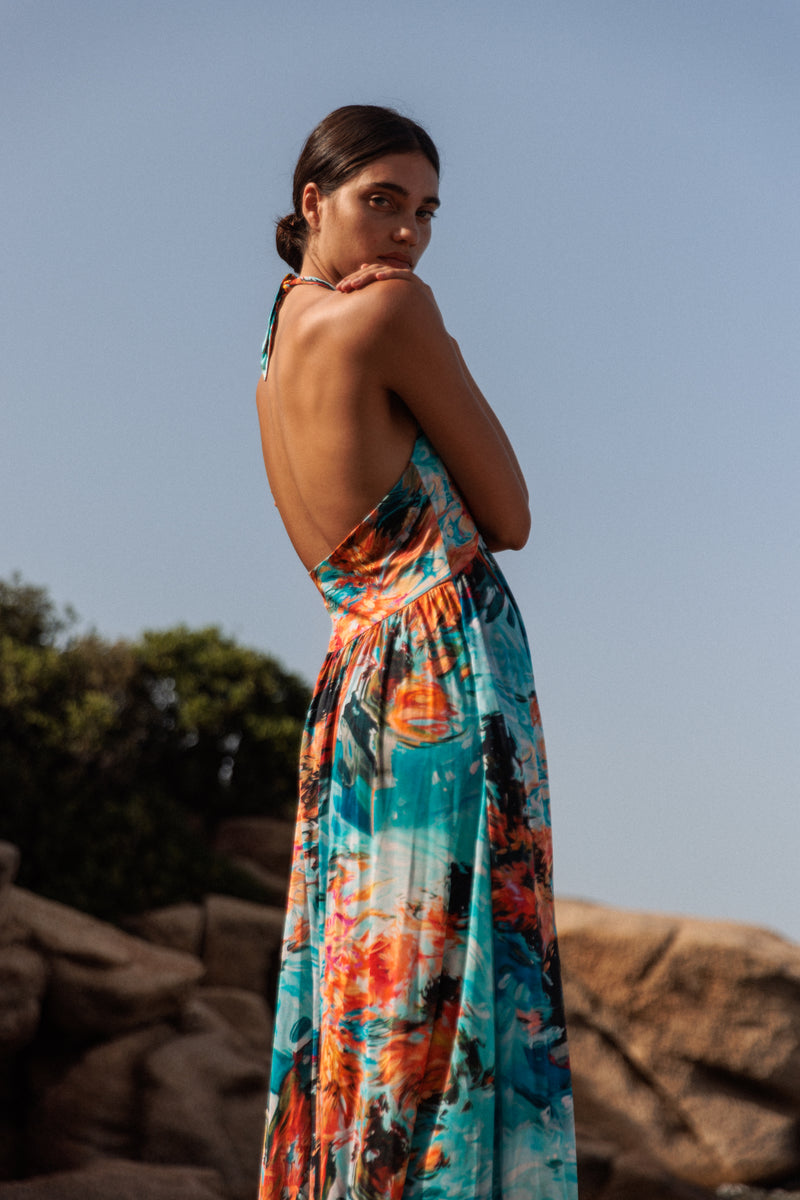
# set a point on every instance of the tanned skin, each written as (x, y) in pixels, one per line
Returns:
(356, 371)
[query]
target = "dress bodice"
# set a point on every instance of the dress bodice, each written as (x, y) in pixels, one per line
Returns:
(416, 537)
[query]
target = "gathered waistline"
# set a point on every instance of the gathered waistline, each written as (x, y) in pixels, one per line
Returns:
(337, 643)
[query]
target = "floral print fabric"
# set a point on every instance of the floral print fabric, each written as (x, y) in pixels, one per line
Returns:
(420, 1047)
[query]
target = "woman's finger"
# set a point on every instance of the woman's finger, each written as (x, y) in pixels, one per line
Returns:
(370, 273)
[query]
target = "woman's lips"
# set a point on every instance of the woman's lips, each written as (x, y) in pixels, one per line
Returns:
(393, 260)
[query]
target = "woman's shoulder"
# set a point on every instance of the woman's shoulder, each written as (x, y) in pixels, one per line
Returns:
(359, 329)
(364, 318)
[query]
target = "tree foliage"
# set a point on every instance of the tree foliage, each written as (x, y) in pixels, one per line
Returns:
(118, 760)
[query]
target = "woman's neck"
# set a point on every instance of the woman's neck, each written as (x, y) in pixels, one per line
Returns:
(311, 265)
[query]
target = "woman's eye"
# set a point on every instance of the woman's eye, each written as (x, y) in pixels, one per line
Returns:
(426, 214)
(381, 201)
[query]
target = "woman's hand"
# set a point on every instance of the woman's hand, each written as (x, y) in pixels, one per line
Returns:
(371, 273)
(377, 272)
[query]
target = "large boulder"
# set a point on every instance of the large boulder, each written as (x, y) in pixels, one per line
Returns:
(23, 978)
(85, 1104)
(103, 982)
(190, 1092)
(740, 1191)
(9, 864)
(204, 1096)
(604, 1174)
(685, 1044)
(238, 941)
(245, 1013)
(264, 840)
(109, 1180)
(262, 847)
(176, 926)
(242, 941)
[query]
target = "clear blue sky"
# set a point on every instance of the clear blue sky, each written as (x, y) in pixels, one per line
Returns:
(618, 255)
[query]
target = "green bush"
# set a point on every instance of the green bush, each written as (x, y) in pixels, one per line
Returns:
(118, 760)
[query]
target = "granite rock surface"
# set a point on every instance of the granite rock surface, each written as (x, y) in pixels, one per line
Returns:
(134, 1064)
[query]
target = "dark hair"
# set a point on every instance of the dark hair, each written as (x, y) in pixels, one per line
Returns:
(342, 144)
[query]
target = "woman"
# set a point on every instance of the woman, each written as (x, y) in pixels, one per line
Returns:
(420, 1048)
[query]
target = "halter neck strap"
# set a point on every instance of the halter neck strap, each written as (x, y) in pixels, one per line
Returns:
(287, 283)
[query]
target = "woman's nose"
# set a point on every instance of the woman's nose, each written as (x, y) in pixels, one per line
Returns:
(407, 233)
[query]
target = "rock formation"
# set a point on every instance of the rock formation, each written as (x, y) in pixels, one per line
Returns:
(261, 846)
(685, 1045)
(133, 1064)
(129, 1067)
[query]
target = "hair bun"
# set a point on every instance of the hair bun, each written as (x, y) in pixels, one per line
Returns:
(290, 238)
(292, 223)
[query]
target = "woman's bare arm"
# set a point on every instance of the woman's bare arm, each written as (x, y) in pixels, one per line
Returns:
(492, 415)
(399, 329)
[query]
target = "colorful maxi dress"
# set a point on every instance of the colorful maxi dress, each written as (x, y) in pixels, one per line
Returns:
(420, 1048)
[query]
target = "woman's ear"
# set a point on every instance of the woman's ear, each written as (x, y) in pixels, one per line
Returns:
(311, 206)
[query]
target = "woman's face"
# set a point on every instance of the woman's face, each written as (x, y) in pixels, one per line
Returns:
(383, 214)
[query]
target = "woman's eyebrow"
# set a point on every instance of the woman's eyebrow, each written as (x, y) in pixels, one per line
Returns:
(404, 192)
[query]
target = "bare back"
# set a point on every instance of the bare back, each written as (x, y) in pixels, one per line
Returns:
(334, 438)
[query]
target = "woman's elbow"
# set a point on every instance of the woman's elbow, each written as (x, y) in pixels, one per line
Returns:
(511, 534)
(519, 536)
